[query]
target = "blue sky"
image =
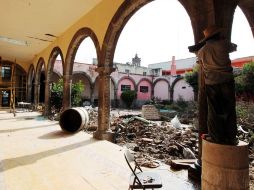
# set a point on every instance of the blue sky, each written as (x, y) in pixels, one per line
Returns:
(162, 29)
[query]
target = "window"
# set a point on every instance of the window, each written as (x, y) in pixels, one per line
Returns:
(156, 72)
(125, 87)
(127, 71)
(144, 73)
(143, 89)
(6, 72)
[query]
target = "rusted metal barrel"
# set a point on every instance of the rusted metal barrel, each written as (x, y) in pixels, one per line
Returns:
(74, 119)
(225, 167)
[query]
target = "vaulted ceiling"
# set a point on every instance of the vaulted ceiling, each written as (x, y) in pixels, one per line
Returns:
(29, 26)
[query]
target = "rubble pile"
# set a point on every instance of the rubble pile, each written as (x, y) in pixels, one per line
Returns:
(156, 140)
(93, 119)
(161, 141)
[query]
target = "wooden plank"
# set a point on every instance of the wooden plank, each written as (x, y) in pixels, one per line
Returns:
(182, 164)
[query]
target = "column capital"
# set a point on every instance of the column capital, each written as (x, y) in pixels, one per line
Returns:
(105, 70)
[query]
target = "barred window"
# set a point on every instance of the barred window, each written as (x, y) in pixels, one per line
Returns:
(143, 89)
(125, 87)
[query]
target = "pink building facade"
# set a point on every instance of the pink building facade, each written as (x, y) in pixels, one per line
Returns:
(147, 82)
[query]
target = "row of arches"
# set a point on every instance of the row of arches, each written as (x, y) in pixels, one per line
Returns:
(91, 87)
(210, 13)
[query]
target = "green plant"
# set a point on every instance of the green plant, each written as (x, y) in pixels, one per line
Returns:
(128, 97)
(181, 102)
(192, 79)
(244, 82)
(56, 97)
(76, 93)
(239, 84)
(248, 77)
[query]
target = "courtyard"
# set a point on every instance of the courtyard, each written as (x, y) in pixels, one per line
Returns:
(36, 154)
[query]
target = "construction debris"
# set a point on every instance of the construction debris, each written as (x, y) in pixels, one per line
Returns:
(162, 141)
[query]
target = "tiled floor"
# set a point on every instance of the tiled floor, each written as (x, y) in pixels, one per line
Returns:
(36, 155)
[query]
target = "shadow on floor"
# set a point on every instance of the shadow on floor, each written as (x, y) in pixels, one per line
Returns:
(22, 118)
(26, 128)
(56, 135)
(11, 163)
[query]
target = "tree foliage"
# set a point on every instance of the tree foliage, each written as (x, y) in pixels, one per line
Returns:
(248, 77)
(128, 97)
(76, 93)
(245, 81)
(192, 79)
(57, 94)
(56, 97)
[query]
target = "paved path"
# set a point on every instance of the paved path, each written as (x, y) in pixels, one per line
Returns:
(36, 155)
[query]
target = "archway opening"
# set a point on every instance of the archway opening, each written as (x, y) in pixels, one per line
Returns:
(84, 66)
(242, 36)
(149, 42)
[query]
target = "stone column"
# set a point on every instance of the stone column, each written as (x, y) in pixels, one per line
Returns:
(36, 93)
(29, 93)
(152, 91)
(103, 132)
(47, 98)
(171, 94)
(115, 97)
(67, 80)
(92, 95)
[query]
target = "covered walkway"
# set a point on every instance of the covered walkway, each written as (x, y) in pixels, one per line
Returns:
(36, 154)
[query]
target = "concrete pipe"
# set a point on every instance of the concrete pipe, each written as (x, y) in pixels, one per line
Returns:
(74, 119)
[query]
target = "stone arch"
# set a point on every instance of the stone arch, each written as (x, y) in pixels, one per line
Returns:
(38, 89)
(161, 79)
(143, 95)
(119, 20)
(182, 89)
(49, 74)
(154, 85)
(212, 12)
(144, 79)
(78, 37)
(113, 81)
(172, 87)
(56, 74)
(129, 78)
(87, 81)
(52, 58)
(157, 85)
(85, 75)
(113, 92)
(248, 9)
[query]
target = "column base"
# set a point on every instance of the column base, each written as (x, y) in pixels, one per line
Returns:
(224, 166)
(104, 135)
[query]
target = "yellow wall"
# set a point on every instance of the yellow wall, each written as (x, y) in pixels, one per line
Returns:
(97, 19)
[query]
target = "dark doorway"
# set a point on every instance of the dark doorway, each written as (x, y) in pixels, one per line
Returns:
(42, 88)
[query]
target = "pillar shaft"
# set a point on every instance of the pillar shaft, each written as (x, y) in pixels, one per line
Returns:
(67, 80)
(36, 93)
(92, 95)
(104, 104)
(115, 97)
(47, 98)
(29, 93)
